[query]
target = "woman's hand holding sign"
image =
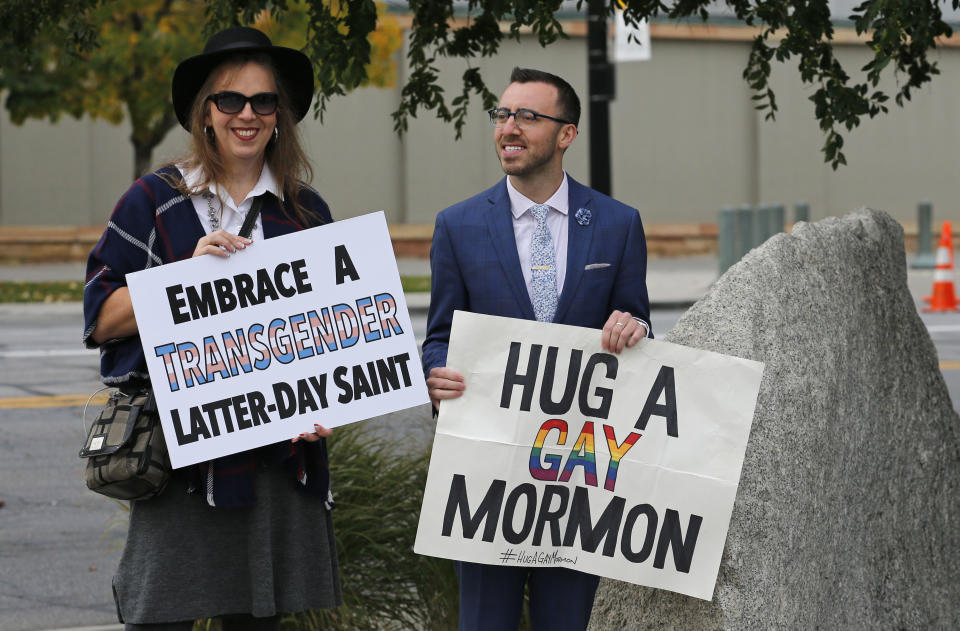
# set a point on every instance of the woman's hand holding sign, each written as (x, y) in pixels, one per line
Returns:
(311, 437)
(220, 243)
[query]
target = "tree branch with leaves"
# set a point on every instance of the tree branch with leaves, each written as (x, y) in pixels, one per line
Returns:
(337, 37)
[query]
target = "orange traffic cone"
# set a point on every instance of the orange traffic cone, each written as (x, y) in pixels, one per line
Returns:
(944, 297)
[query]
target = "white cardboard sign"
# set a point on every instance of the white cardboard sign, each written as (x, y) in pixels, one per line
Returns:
(311, 327)
(558, 453)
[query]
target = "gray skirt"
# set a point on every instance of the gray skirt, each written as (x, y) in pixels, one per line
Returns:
(185, 560)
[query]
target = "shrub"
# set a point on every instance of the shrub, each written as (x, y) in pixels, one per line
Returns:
(378, 490)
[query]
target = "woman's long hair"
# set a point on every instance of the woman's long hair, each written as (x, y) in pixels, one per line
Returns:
(284, 154)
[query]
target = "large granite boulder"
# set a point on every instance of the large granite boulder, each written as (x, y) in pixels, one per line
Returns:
(848, 510)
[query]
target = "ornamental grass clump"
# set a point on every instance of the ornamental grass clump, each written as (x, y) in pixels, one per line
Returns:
(378, 489)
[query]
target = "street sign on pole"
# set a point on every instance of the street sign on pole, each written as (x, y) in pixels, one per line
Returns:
(631, 43)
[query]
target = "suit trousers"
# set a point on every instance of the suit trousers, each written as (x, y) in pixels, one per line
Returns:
(491, 597)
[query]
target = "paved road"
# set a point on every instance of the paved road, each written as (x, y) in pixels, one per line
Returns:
(59, 542)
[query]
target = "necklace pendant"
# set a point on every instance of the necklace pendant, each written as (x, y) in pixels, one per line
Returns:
(212, 214)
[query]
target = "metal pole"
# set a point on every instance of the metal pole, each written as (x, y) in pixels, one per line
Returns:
(778, 219)
(924, 258)
(761, 224)
(744, 230)
(600, 85)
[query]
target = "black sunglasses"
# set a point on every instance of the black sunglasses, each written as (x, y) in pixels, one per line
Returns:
(263, 103)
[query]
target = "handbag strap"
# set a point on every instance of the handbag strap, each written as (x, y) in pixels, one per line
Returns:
(247, 228)
(83, 418)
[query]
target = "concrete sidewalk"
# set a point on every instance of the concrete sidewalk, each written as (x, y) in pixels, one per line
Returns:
(42, 272)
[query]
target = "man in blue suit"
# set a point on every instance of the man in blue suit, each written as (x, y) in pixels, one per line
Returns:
(537, 245)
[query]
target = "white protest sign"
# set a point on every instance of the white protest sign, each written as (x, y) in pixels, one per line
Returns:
(558, 453)
(311, 327)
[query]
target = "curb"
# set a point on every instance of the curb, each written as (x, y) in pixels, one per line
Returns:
(672, 305)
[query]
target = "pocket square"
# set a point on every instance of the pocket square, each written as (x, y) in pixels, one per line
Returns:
(591, 266)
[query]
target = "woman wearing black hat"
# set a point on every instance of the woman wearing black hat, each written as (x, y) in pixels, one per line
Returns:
(249, 536)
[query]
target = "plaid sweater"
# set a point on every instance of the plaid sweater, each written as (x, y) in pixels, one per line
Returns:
(154, 224)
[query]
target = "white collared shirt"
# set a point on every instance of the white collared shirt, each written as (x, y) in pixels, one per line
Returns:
(231, 214)
(524, 225)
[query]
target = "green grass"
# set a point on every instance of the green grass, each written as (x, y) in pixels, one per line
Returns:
(415, 283)
(72, 291)
(379, 489)
(57, 291)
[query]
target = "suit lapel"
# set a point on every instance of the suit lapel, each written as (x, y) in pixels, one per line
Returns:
(578, 246)
(500, 223)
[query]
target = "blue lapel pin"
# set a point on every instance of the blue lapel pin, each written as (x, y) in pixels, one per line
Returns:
(583, 216)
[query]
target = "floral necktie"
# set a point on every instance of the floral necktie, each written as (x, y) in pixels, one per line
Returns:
(543, 281)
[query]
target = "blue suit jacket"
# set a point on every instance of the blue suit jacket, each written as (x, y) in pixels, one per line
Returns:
(475, 266)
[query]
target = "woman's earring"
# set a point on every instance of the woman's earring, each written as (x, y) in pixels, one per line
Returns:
(208, 131)
(276, 134)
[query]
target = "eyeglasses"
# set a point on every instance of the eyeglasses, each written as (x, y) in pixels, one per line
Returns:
(524, 118)
(262, 103)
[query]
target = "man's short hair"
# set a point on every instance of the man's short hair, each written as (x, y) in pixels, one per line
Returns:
(567, 97)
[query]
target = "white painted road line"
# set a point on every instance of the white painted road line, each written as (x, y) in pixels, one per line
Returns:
(46, 352)
(944, 328)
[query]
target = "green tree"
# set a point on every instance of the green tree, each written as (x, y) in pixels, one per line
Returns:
(900, 36)
(114, 59)
(117, 63)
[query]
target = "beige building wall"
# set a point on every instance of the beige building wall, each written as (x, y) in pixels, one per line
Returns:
(60, 174)
(356, 155)
(685, 141)
(684, 131)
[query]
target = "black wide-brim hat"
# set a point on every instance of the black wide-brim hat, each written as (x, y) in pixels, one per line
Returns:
(293, 69)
